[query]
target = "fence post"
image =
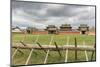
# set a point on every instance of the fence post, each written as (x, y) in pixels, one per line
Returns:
(57, 48)
(20, 51)
(23, 43)
(48, 50)
(75, 50)
(30, 54)
(41, 47)
(93, 53)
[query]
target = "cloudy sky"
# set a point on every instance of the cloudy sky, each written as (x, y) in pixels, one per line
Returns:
(25, 14)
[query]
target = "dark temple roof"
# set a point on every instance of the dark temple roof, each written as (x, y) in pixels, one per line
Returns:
(65, 25)
(83, 25)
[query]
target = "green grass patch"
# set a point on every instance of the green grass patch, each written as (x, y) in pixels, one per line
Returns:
(60, 39)
(38, 56)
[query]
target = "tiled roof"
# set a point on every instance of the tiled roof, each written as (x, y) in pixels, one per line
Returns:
(65, 25)
(83, 25)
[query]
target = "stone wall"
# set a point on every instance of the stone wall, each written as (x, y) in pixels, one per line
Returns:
(40, 32)
(69, 32)
(60, 32)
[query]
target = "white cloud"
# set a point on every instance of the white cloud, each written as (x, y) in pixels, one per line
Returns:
(53, 6)
(41, 15)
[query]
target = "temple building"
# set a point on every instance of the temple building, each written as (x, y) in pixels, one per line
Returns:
(52, 29)
(83, 28)
(30, 30)
(65, 27)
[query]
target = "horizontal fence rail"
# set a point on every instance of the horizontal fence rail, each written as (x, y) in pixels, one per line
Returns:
(46, 47)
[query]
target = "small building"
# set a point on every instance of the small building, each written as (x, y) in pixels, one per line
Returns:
(30, 30)
(83, 28)
(52, 29)
(16, 30)
(65, 27)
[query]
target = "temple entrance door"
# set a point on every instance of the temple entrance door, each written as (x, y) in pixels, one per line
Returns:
(28, 31)
(52, 32)
(83, 32)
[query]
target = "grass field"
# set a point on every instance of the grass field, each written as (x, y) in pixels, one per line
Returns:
(38, 56)
(60, 39)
